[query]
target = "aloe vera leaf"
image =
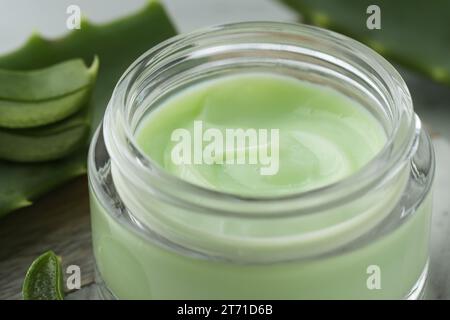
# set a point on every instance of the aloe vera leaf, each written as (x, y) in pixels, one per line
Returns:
(61, 102)
(31, 114)
(44, 143)
(55, 81)
(44, 280)
(415, 34)
(117, 44)
(21, 183)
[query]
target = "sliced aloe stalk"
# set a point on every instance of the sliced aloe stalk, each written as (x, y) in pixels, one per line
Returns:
(117, 44)
(415, 34)
(44, 143)
(14, 114)
(44, 280)
(52, 82)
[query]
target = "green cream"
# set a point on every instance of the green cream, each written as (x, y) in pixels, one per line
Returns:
(134, 268)
(324, 136)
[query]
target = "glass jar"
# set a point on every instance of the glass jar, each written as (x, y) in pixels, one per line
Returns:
(156, 236)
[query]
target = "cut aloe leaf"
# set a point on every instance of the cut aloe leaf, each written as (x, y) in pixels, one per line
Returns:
(20, 183)
(413, 33)
(44, 279)
(14, 114)
(117, 44)
(48, 83)
(44, 143)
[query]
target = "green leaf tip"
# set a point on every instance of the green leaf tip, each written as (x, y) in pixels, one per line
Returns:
(44, 279)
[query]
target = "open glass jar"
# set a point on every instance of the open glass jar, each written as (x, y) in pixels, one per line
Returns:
(156, 236)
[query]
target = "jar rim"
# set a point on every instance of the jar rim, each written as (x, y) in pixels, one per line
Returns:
(398, 147)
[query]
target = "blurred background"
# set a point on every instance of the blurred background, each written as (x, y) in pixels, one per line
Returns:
(20, 243)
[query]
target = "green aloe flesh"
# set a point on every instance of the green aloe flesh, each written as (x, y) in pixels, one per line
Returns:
(15, 114)
(44, 279)
(57, 134)
(44, 143)
(53, 82)
(415, 34)
(117, 45)
(39, 97)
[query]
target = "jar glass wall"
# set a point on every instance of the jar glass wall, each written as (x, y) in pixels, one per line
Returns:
(156, 236)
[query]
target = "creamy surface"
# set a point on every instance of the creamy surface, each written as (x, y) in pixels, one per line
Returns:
(324, 136)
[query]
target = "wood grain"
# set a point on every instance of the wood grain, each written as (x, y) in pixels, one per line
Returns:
(59, 222)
